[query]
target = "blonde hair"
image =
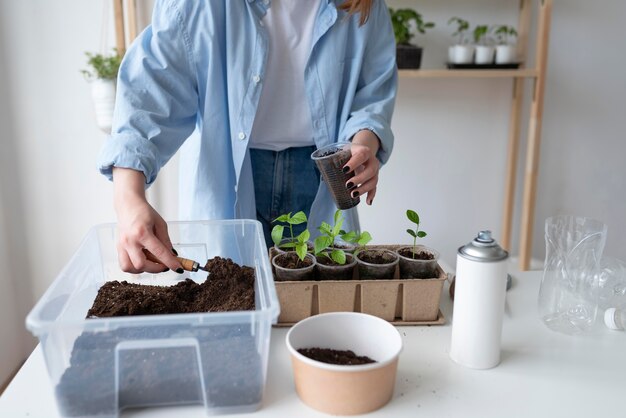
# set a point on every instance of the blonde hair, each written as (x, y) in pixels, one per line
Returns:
(362, 7)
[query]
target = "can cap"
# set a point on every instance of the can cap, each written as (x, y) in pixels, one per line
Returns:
(483, 248)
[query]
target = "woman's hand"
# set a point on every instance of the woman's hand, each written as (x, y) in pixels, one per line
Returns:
(140, 227)
(364, 163)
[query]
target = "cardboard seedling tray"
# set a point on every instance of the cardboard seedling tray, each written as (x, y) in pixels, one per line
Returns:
(399, 301)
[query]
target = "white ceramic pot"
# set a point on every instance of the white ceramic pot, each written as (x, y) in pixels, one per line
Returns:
(338, 389)
(506, 54)
(484, 54)
(463, 54)
(103, 95)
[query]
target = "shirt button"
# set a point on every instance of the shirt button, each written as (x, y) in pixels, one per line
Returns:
(242, 136)
(256, 78)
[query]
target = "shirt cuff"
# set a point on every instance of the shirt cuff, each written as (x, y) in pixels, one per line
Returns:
(129, 151)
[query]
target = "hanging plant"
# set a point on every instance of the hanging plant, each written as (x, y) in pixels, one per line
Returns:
(102, 75)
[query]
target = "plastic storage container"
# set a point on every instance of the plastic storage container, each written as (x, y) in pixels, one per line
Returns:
(100, 366)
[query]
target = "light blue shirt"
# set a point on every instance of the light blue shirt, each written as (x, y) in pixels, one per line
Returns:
(192, 81)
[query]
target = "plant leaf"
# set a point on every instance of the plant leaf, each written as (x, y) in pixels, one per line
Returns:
(301, 250)
(337, 215)
(325, 228)
(349, 236)
(304, 236)
(288, 245)
(364, 238)
(298, 218)
(421, 234)
(282, 218)
(277, 234)
(337, 227)
(338, 256)
(411, 232)
(321, 243)
(413, 217)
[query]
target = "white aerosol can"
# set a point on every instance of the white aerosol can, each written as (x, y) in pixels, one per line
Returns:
(479, 296)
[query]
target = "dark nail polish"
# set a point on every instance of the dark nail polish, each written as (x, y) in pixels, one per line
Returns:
(346, 169)
(350, 185)
(180, 270)
(166, 270)
(355, 194)
(175, 252)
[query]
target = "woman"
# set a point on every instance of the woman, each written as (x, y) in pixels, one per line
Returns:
(255, 85)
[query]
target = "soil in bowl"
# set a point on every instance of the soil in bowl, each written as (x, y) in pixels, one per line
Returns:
(420, 255)
(291, 261)
(330, 356)
(108, 373)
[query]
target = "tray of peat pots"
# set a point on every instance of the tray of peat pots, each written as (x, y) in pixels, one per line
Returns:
(344, 363)
(376, 286)
(114, 340)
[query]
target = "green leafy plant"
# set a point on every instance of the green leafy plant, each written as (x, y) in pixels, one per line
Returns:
(462, 26)
(102, 66)
(299, 242)
(401, 20)
(356, 238)
(324, 242)
(504, 34)
(481, 33)
(414, 217)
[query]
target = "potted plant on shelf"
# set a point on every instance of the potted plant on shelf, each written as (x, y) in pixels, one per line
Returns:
(282, 243)
(102, 76)
(417, 261)
(332, 263)
(461, 52)
(407, 54)
(506, 50)
(483, 49)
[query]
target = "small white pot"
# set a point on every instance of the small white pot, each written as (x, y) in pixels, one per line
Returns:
(103, 95)
(506, 54)
(463, 54)
(484, 54)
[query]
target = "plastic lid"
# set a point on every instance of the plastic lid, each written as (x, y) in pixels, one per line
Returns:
(609, 318)
(483, 248)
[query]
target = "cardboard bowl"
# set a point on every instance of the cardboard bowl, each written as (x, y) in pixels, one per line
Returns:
(338, 389)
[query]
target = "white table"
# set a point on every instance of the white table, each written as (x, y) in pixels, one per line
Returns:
(542, 374)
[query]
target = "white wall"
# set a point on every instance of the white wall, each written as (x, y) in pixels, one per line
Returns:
(448, 161)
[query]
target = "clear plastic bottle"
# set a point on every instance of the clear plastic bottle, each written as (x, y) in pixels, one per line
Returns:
(615, 318)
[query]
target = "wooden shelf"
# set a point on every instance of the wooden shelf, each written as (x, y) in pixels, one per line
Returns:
(444, 73)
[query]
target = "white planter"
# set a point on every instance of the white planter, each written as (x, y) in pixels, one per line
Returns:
(103, 95)
(463, 54)
(484, 54)
(506, 54)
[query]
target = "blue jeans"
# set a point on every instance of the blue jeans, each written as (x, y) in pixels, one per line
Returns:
(284, 181)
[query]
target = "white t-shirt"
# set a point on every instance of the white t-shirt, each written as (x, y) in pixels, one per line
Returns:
(283, 117)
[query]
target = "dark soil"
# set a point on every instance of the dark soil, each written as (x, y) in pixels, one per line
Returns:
(291, 261)
(330, 356)
(376, 257)
(229, 287)
(342, 247)
(330, 152)
(108, 372)
(421, 255)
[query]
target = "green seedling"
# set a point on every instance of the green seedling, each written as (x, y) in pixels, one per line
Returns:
(102, 66)
(462, 26)
(504, 34)
(401, 20)
(358, 239)
(298, 243)
(324, 242)
(480, 34)
(414, 217)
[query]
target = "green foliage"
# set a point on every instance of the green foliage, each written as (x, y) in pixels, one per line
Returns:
(462, 26)
(401, 20)
(358, 239)
(298, 243)
(504, 34)
(480, 34)
(414, 217)
(324, 242)
(102, 66)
